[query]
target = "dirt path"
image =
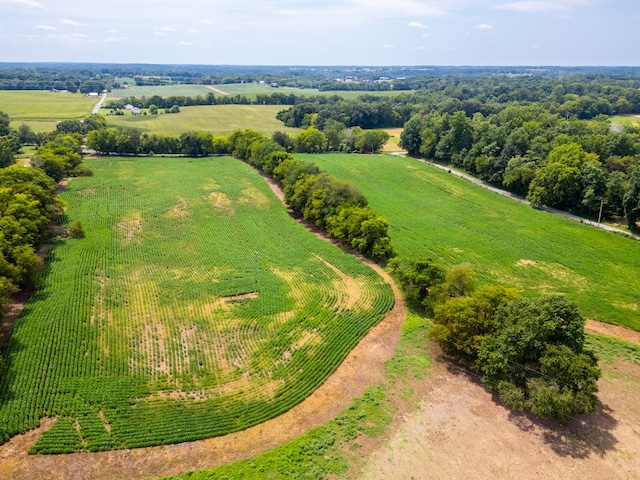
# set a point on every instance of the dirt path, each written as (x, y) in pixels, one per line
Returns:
(608, 330)
(217, 90)
(461, 431)
(363, 366)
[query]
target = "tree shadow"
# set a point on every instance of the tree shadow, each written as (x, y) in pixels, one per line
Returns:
(579, 438)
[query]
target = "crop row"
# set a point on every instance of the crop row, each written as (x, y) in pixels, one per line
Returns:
(194, 307)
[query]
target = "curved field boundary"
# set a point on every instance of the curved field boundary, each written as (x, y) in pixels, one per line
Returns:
(363, 366)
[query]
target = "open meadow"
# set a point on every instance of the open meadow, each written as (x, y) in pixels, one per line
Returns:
(249, 90)
(433, 214)
(42, 110)
(625, 120)
(219, 119)
(195, 306)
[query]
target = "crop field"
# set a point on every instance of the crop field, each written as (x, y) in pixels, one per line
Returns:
(41, 110)
(195, 306)
(250, 90)
(161, 90)
(219, 119)
(435, 214)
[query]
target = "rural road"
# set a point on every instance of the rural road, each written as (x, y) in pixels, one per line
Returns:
(96, 107)
(522, 200)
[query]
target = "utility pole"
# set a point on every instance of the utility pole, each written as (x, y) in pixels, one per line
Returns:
(600, 214)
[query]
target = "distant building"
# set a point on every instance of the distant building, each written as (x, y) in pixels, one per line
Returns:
(136, 111)
(93, 95)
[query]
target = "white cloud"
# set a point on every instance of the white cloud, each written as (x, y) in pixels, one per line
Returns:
(23, 3)
(185, 44)
(544, 6)
(426, 35)
(117, 40)
(386, 47)
(161, 34)
(484, 26)
(417, 25)
(207, 22)
(168, 29)
(113, 30)
(65, 21)
(48, 28)
(193, 30)
(401, 7)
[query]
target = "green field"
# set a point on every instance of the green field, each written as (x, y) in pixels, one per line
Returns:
(435, 214)
(219, 119)
(195, 306)
(41, 110)
(625, 120)
(250, 90)
(162, 90)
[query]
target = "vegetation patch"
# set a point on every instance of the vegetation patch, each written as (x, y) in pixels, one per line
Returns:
(169, 327)
(494, 234)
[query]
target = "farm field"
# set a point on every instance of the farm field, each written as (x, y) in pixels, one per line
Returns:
(194, 307)
(219, 119)
(250, 90)
(437, 215)
(42, 110)
(162, 90)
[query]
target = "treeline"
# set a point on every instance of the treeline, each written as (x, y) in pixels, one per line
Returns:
(530, 351)
(27, 203)
(576, 165)
(337, 207)
(125, 141)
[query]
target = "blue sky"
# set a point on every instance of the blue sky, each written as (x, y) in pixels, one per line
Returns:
(323, 32)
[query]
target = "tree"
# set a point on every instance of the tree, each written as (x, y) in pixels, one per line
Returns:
(536, 358)
(310, 140)
(461, 323)
(632, 200)
(7, 152)
(419, 279)
(153, 109)
(26, 135)
(371, 141)
(410, 138)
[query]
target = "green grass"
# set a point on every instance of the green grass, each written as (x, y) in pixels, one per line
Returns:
(219, 119)
(625, 120)
(250, 90)
(163, 91)
(438, 215)
(195, 306)
(42, 109)
(329, 450)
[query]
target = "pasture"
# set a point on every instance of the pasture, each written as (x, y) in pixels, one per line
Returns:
(433, 214)
(219, 119)
(249, 90)
(195, 306)
(42, 110)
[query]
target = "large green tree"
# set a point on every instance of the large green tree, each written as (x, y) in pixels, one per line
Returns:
(536, 359)
(632, 199)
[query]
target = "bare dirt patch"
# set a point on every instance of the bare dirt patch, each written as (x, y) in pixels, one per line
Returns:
(607, 330)
(217, 90)
(221, 202)
(462, 431)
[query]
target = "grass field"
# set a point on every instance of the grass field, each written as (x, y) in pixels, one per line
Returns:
(41, 110)
(250, 90)
(435, 214)
(625, 120)
(219, 119)
(163, 91)
(195, 306)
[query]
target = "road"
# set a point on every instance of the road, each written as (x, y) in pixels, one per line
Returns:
(96, 107)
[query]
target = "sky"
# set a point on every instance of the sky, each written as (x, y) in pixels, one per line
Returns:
(322, 32)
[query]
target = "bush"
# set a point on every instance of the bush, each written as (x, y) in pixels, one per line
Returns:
(76, 230)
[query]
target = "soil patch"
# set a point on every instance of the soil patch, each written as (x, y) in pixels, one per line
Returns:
(608, 330)
(462, 431)
(217, 90)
